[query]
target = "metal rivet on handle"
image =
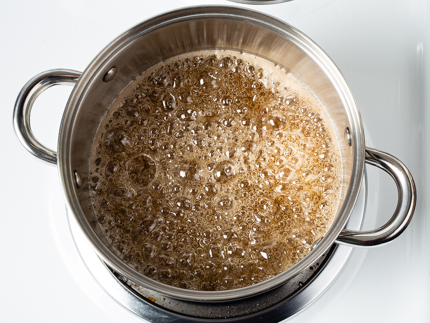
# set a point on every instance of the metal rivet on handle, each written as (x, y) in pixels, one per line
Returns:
(110, 74)
(78, 180)
(348, 136)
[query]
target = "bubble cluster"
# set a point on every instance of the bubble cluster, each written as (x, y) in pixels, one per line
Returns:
(208, 174)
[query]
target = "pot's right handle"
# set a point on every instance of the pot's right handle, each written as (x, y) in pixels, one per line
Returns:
(26, 98)
(405, 205)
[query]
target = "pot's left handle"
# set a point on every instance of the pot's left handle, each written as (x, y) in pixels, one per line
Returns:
(26, 98)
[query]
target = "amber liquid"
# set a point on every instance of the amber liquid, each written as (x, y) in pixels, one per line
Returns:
(214, 171)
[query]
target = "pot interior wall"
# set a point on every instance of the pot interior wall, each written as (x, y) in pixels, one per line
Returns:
(154, 41)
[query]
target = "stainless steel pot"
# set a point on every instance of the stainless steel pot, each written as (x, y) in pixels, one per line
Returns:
(190, 30)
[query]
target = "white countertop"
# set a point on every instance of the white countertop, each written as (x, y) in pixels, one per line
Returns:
(381, 47)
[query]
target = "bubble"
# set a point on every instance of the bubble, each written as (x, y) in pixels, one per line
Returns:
(186, 259)
(148, 251)
(285, 174)
(276, 121)
(165, 275)
(117, 140)
(142, 170)
(169, 102)
(225, 203)
(306, 240)
(183, 203)
(150, 270)
(295, 127)
(188, 172)
(226, 62)
(148, 224)
(224, 172)
(249, 146)
(212, 61)
(200, 142)
(186, 114)
(245, 184)
(119, 194)
(210, 268)
(265, 205)
(210, 189)
(111, 168)
(229, 121)
(166, 260)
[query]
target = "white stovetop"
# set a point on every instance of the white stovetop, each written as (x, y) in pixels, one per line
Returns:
(380, 46)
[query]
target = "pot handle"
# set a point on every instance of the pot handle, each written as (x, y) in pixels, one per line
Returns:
(26, 98)
(405, 204)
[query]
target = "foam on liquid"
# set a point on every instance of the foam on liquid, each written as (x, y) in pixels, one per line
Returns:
(214, 170)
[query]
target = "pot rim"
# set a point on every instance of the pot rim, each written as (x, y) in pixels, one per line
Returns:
(93, 71)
